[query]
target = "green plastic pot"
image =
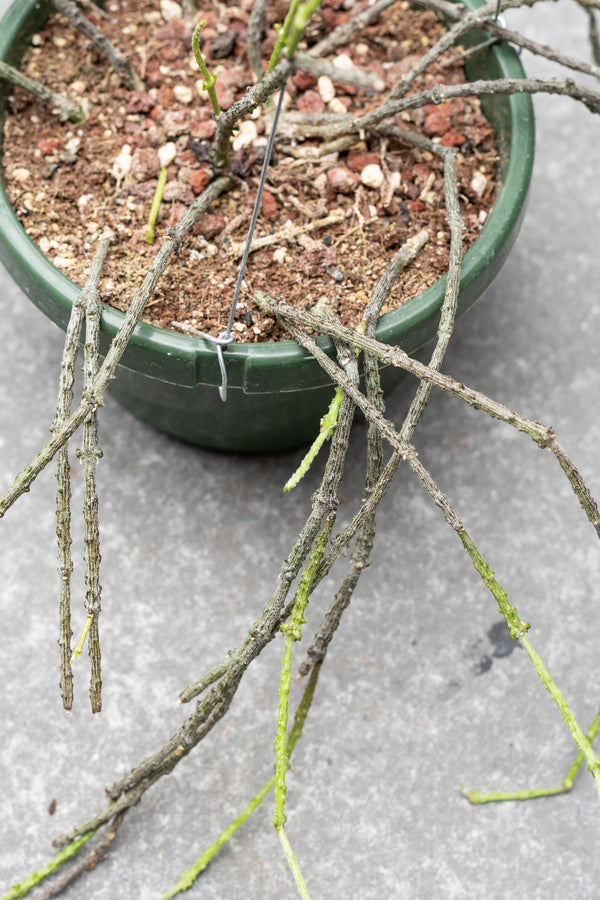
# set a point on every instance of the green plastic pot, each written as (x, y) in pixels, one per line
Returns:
(276, 391)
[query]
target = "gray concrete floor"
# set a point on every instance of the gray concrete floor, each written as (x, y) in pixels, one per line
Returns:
(409, 707)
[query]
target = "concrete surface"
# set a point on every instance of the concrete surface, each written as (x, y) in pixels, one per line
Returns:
(419, 694)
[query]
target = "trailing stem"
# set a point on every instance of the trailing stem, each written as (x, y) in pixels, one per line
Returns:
(478, 798)
(87, 299)
(67, 108)
(106, 372)
(120, 63)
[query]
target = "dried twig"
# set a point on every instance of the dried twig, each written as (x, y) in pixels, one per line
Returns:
(120, 63)
(90, 861)
(288, 234)
(106, 373)
(67, 108)
(63, 475)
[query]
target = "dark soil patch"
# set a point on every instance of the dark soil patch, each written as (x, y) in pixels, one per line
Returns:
(64, 181)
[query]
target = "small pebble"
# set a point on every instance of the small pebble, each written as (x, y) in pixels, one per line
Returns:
(183, 93)
(63, 262)
(166, 154)
(335, 273)
(372, 176)
(343, 61)
(342, 179)
(246, 135)
(122, 164)
(21, 175)
(326, 89)
(72, 146)
(84, 201)
(479, 183)
(170, 10)
(336, 106)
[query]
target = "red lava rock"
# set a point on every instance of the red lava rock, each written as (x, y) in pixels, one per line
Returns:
(144, 163)
(166, 96)
(177, 121)
(153, 75)
(200, 179)
(452, 139)
(332, 18)
(225, 95)
(186, 158)
(444, 108)
(270, 207)
(358, 159)
(173, 31)
(139, 243)
(310, 102)
(209, 225)
(170, 54)
(144, 191)
(421, 172)
(157, 114)
(48, 146)
(202, 131)
(235, 78)
(416, 205)
(176, 213)
(139, 102)
(175, 190)
(436, 124)
(402, 63)
(316, 259)
(342, 179)
(304, 81)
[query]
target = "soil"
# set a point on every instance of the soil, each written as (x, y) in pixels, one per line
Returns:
(67, 183)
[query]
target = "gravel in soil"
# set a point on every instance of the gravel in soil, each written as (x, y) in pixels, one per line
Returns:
(330, 224)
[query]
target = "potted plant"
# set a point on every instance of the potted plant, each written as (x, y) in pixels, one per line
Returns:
(276, 391)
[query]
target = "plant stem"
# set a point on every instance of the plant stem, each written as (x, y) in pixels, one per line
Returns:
(63, 474)
(129, 789)
(78, 649)
(156, 201)
(90, 454)
(106, 372)
(255, 32)
(326, 429)
(477, 798)
(209, 80)
(67, 108)
(22, 889)
(293, 863)
(119, 63)
(187, 878)
(282, 35)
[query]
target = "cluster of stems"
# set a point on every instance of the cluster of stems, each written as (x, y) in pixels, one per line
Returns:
(311, 557)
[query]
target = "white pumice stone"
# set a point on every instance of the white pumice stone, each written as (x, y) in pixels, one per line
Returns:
(170, 10)
(326, 88)
(166, 154)
(372, 176)
(246, 135)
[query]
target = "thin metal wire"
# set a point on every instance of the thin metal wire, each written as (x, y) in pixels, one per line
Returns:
(497, 19)
(225, 337)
